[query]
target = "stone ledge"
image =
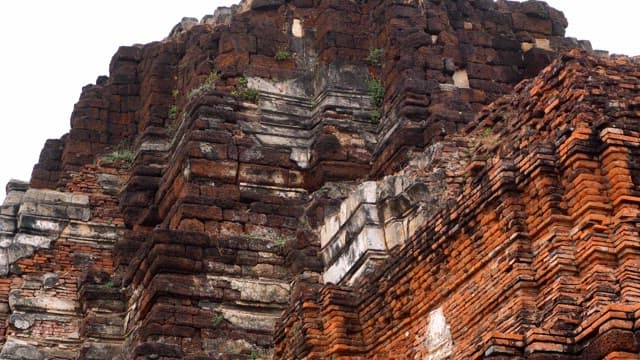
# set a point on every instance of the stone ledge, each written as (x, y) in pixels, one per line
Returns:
(375, 218)
(43, 304)
(20, 350)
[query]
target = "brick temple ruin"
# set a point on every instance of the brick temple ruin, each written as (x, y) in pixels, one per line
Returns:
(334, 179)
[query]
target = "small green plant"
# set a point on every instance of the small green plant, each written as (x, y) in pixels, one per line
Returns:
(208, 84)
(250, 94)
(243, 81)
(175, 93)
(123, 155)
(376, 91)
(244, 92)
(488, 139)
(254, 355)
(280, 242)
(173, 112)
(375, 56)
(171, 129)
(282, 55)
(375, 116)
(108, 284)
(218, 319)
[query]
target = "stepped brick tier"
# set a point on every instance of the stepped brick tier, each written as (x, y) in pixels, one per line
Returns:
(323, 179)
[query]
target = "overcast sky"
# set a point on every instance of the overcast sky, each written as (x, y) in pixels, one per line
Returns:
(51, 49)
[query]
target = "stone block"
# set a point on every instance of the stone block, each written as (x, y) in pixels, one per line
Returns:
(16, 186)
(103, 327)
(532, 24)
(7, 224)
(369, 192)
(6, 240)
(4, 262)
(395, 207)
(100, 351)
(390, 186)
(153, 350)
(248, 320)
(49, 210)
(109, 183)
(371, 238)
(9, 210)
(37, 224)
(261, 291)
(366, 214)
(461, 79)
(34, 241)
(50, 280)
(415, 222)
(38, 196)
(13, 198)
(544, 44)
(80, 200)
(28, 207)
(296, 28)
(186, 24)
(395, 233)
(97, 232)
(18, 251)
(265, 4)
(20, 321)
(78, 213)
(334, 247)
(328, 230)
(301, 156)
(14, 349)
(18, 302)
(438, 336)
(263, 175)
(222, 170)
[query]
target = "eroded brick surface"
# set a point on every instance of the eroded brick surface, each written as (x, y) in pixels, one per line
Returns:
(539, 266)
(336, 179)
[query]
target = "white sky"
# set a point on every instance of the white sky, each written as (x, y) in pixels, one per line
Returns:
(51, 49)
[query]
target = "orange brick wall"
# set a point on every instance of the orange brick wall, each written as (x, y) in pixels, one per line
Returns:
(534, 268)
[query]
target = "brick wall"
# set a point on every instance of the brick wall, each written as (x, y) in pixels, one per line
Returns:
(210, 163)
(532, 268)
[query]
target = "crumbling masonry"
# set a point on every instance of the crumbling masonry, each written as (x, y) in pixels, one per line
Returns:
(324, 179)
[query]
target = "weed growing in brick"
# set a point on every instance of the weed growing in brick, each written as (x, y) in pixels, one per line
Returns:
(376, 91)
(208, 84)
(282, 55)
(375, 56)
(218, 319)
(244, 92)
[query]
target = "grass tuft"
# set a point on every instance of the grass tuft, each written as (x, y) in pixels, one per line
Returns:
(208, 84)
(375, 56)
